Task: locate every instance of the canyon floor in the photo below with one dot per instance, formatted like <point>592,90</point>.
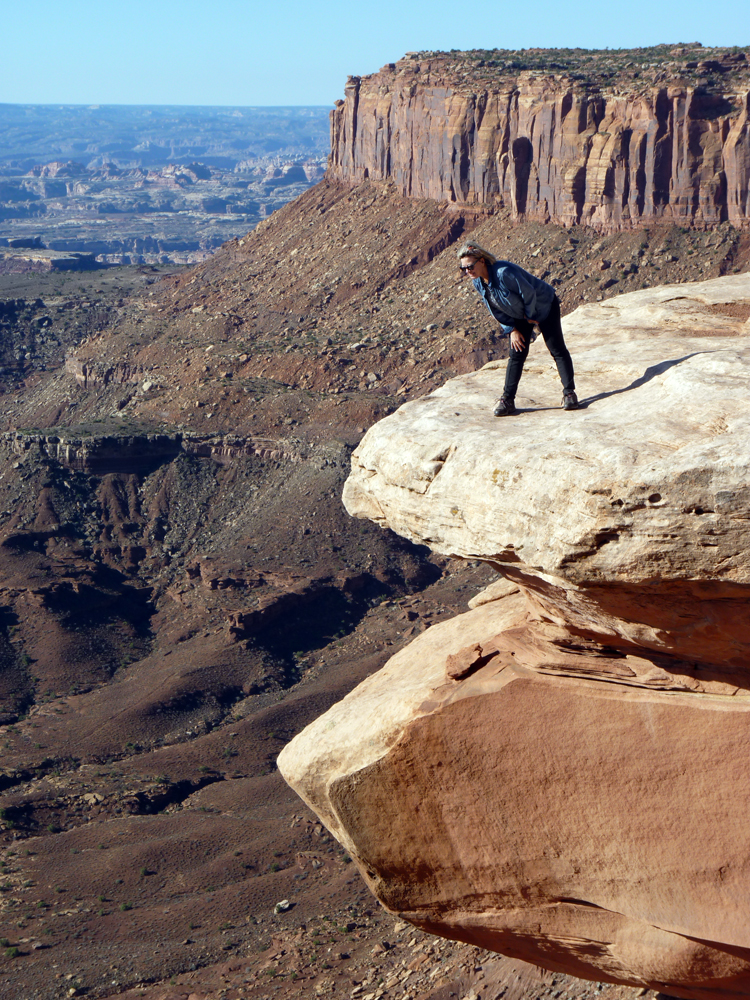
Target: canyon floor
<point>182,590</point>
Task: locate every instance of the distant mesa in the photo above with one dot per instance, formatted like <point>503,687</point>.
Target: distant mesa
<point>20,255</point>
<point>199,170</point>
<point>314,170</point>
<point>189,173</point>
<point>214,205</point>
<point>26,243</point>
<point>58,169</point>
<point>290,173</point>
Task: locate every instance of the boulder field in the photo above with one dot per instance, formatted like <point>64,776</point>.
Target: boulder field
<point>562,774</point>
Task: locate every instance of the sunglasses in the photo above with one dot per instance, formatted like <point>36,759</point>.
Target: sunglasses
<point>467,268</point>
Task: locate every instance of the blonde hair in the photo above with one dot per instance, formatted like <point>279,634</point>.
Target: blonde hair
<point>471,249</point>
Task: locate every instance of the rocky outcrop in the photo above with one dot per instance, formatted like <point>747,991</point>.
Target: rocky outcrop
<point>22,261</point>
<point>562,147</point>
<point>99,374</point>
<point>105,454</point>
<point>561,774</point>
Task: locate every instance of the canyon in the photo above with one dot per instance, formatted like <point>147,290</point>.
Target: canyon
<point>81,186</point>
<point>183,591</point>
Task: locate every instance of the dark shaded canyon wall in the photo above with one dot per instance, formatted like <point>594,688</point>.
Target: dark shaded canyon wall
<point>547,149</point>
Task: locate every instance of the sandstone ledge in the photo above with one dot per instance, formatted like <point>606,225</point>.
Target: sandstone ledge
<point>561,774</point>
<point>616,512</point>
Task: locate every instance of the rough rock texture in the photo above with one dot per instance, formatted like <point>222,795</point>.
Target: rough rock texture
<point>562,147</point>
<point>562,773</point>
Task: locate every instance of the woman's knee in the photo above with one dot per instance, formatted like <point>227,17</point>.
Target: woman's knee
<point>559,351</point>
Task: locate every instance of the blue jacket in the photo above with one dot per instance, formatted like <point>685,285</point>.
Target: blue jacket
<point>514,294</point>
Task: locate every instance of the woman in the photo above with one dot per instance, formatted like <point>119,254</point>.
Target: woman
<point>517,300</point>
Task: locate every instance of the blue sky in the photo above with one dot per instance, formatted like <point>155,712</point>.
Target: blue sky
<point>250,53</point>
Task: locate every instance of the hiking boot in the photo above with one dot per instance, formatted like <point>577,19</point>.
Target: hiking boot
<point>570,401</point>
<point>505,407</point>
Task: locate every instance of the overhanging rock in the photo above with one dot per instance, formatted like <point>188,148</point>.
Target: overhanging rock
<point>563,773</point>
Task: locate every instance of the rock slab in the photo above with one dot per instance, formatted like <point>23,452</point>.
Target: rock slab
<point>562,773</point>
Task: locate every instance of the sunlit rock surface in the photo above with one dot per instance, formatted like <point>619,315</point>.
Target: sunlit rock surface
<point>562,773</point>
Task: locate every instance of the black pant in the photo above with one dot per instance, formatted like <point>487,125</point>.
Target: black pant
<point>553,338</point>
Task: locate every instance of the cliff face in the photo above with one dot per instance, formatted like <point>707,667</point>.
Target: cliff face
<point>565,147</point>
<point>561,774</point>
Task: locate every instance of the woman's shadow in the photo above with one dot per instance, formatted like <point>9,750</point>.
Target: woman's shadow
<point>650,373</point>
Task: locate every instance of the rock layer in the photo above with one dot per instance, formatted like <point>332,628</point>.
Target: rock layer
<point>562,773</point>
<point>548,146</point>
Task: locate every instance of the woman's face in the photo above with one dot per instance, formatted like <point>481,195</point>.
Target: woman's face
<point>474,267</point>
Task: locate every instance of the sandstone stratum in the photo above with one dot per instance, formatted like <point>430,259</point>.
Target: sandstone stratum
<point>561,774</point>
<point>606,139</point>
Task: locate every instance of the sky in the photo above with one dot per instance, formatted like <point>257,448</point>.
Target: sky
<point>247,53</point>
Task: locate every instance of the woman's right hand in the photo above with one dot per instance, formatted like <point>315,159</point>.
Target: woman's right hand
<point>517,342</point>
